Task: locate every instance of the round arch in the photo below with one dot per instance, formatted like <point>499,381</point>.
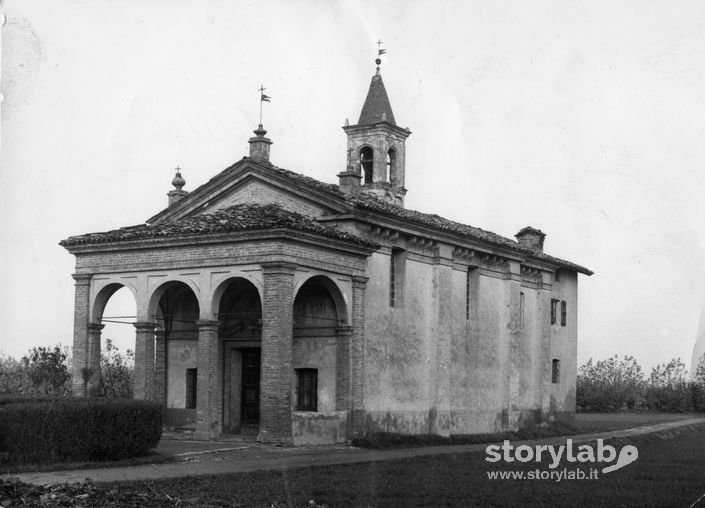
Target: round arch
<point>336,295</point>
<point>153,308</point>
<point>237,306</point>
<point>103,296</point>
<point>240,282</point>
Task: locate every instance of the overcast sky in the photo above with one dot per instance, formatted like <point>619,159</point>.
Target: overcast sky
<point>584,119</point>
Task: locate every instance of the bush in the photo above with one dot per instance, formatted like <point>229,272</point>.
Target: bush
<point>71,430</point>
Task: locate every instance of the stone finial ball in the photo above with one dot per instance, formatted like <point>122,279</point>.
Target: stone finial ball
<point>378,61</point>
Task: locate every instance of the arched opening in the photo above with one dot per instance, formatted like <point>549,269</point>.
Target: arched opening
<point>240,317</point>
<point>319,311</point>
<point>109,361</point>
<point>176,353</point>
<point>391,166</point>
<point>366,165</point>
<point>117,349</point>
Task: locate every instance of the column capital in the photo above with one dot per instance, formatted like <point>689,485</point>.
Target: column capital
<point>95,327</point>
<point>82,279</point>
<point>344,331</point>
<point>207,323</point>
<point>359,280</point>
<point>279,267</point>
<point>145,326</point>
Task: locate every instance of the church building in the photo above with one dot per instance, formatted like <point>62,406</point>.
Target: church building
<point>309,312</point>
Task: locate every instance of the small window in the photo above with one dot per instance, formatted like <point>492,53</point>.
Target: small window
<point>554,311</point>
<point>564,312</point>
<point>522,305</point>
<point>557,276</point>
<point>556,371</point>
<point>307,389</point>
<point>397,272</point>
<point>191,388</point>
<point>366,165</point>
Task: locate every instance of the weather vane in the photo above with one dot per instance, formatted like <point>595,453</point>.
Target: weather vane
<point>380,52</point>
<point>262,98</point>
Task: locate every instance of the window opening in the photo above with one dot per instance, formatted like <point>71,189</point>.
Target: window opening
<point>191,388</point>
<point>307,391</point>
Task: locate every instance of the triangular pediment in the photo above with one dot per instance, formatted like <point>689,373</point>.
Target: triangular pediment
<point>247,182</point>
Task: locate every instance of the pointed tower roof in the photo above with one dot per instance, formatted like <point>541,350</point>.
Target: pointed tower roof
<point>376,108</point>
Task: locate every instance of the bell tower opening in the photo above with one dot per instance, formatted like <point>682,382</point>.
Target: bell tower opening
<point>366,165</point>
<point>391,175</point>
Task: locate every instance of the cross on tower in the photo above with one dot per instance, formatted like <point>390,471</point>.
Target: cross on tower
<point>379,44</point>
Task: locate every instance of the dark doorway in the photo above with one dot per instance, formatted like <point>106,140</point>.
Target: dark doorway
<point>250,386</point>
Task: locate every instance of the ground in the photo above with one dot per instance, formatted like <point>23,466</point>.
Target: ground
<point>668,472</point>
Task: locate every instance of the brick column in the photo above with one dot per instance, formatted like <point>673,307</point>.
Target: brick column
<point>343,368</point>
<point>93,359</point>
<point>81,310</point>
<point>144,360</point>
<point>357,353</point>
<point>209,403</point>
<point>160,366</point>
<point>277,341</point>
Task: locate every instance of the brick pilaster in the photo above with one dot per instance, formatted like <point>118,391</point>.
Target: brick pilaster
<point>160,366</point>
<point>144,360</point>
<point>93,359</point>
<point>439,417</point>
<point>357,353</point>
<point>277,340</point>
<point>209,403</point>
<point>81,311</point>
<point>343,365</point>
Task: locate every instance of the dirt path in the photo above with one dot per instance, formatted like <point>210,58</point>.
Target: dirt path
<point>244,457</point>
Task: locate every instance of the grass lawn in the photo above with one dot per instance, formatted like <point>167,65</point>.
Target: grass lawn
<point>586,423</point>
<point>669,472</point>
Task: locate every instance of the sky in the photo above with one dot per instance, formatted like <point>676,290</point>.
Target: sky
<point>583,119</point>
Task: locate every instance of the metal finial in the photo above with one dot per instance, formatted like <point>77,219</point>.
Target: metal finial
<point>178,182</point>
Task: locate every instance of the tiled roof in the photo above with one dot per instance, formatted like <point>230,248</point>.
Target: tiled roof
<point>376,108</point>
<point>235,218</point>
<point>368,202</point>
<point>260,217</point>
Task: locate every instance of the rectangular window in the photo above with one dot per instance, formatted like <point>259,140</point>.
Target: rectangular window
<point>554,311</point>
<point>191,388</point>
<point>556,371</point>
<point>564,312</point>
<point>397,272</point>
<point>307,389</point>
<point>522,305</point>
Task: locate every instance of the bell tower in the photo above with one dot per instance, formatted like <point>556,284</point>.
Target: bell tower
<point>376,150</point>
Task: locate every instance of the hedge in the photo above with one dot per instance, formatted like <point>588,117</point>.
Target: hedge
<point>72,430</point>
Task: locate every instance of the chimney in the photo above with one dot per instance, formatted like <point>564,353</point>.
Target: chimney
<point>349,182</point>
<point>178,193</point>
<point>531,238</point>
<point>259,145</point>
